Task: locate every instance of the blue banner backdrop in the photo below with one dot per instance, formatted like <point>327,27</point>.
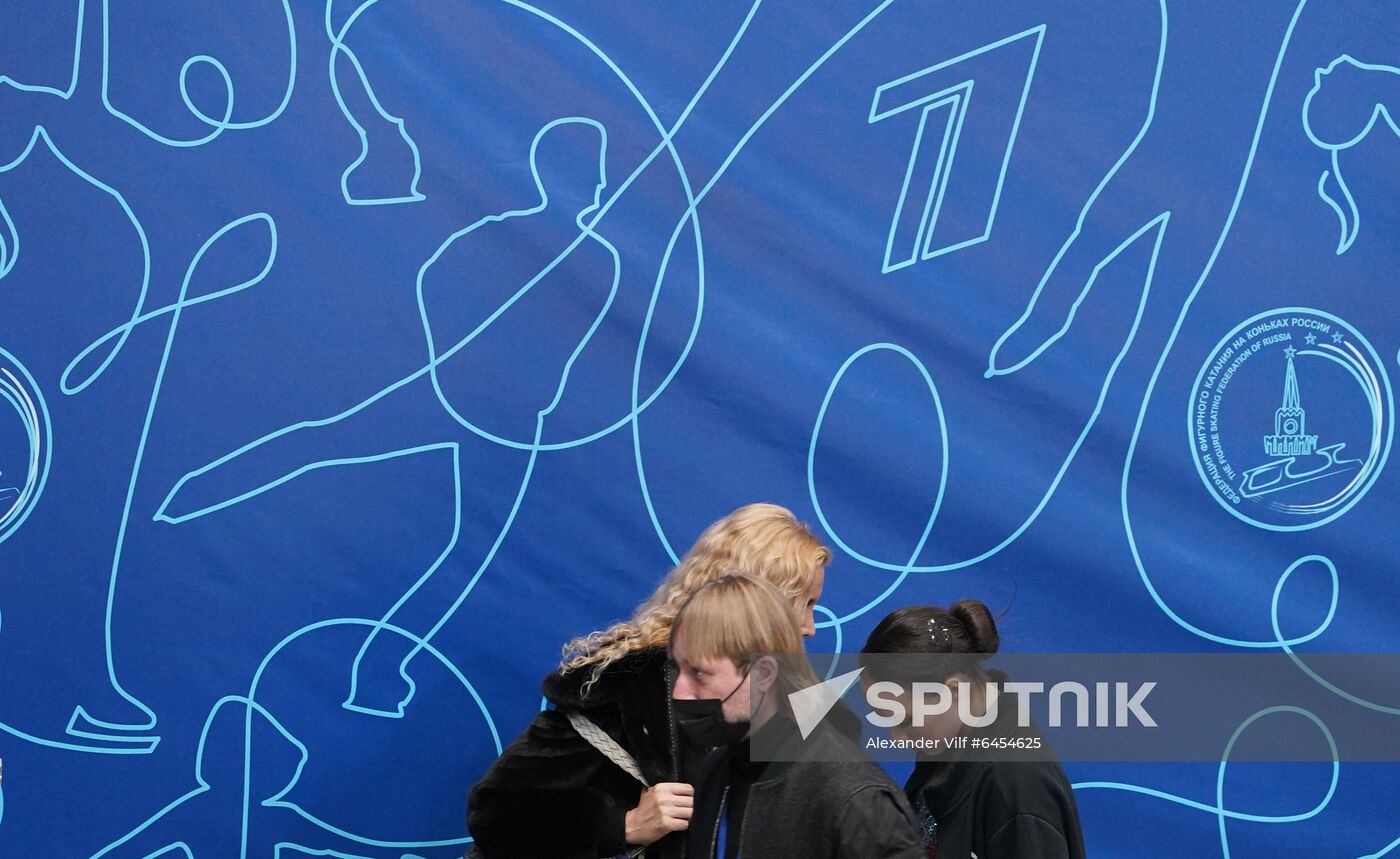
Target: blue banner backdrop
<point>355,355</point>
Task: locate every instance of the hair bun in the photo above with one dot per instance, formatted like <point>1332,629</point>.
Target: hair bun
<point>977,622</point>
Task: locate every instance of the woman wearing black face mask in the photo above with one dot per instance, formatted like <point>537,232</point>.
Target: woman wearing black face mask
<point>603,770</point>
<point>825,801</point>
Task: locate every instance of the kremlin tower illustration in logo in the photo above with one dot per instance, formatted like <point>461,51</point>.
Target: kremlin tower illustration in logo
<point>1298,459</point>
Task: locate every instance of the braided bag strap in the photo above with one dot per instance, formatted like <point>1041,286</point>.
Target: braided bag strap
<point>599,739</point>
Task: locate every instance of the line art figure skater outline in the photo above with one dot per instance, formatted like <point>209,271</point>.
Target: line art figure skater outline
<point>217,125</point>
<point>994,366</point>
<point>689,218</point>
<point>340,49</point>
<point>1334,140</point>
<point>88,732</point>
<point>131,736</point>
<point>164,831</point>
<point>128,739</point>
<point>83,723</point>
<point>429,607</point>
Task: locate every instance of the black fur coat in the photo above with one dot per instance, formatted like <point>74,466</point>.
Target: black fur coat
<point>551,795</point>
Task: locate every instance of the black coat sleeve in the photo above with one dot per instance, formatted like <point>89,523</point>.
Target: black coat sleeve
<point>876,824</point>
<point>1026,836</point>
<point>550,794</point>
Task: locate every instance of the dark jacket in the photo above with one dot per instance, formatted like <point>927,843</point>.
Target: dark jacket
<point>1020,806</point>
<point>829,802</point>
<point>551,795</point>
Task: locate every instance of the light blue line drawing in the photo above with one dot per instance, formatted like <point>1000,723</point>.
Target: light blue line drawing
<point>1155,228</point>
<point>1383,851</point>
<point>434,359</point>
<point>1286,644</point>
<point>1376,88</point>
<point>691,215</point>
<point>421,601</point>
<point>339,49</point>
<point>992,366</point>
<point>279,852</point>
<point>195,808</point>
<point>916,228</point>
<point>1219,809</point>
<point>1157,372</point>
<point>139,744</point>
<point>83,723</point>
<point>133,841</point>
<point>279,800</point>
<point>942,442</point>
<point>217,126</point>
<point>910,232</point>
<point>835,623</point>
<point>534,449</point>
<point>1279,640</point>
<point>42,134</point>
<point>9,242</point>
<point>66,93</point>
<point>104,728</point>
<point>130,737</point>
<point>22,393</point>
<point>134,745</point>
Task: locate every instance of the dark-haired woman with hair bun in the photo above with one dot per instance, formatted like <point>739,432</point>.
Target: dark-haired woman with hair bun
<point>1021,808</point>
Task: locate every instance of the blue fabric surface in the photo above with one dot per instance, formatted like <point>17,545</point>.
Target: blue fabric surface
<point>354,356</point>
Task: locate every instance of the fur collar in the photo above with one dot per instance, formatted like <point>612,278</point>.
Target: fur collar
<point>618,683</point>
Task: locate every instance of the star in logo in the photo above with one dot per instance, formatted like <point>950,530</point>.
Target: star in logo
<point>1290,351</point>
<point>1337,338</point>
<point>1311,338</point>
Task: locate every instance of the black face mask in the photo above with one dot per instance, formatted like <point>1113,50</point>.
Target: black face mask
<point>702,719</point>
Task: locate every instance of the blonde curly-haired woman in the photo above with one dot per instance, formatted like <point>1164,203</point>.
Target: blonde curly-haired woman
<point>563,789</point>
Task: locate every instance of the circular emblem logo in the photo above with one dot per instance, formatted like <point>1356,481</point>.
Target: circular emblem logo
<point>1290,419</point>
<point>25,442</point>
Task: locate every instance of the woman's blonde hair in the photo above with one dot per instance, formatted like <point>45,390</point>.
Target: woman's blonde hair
<point>738,616</point>
<point>764,540</point>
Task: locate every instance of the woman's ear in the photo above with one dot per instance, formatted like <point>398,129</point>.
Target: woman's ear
<point>764,673</point>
